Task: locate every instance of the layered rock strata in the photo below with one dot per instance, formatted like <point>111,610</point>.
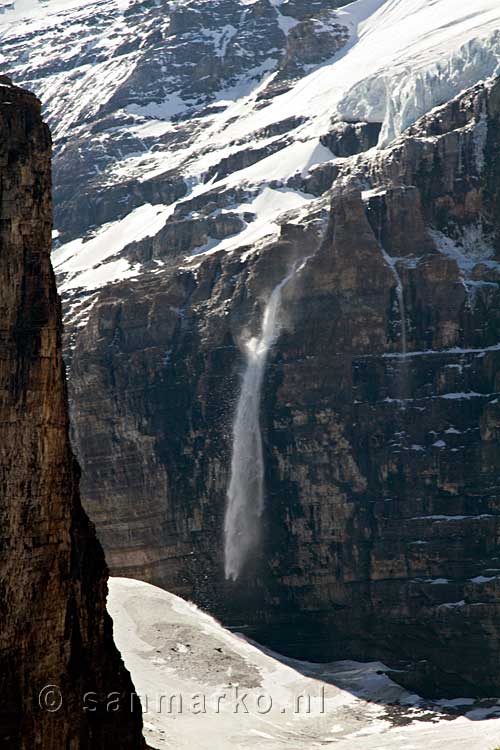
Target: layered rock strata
<point>380,412</point>
<point>54,629</point>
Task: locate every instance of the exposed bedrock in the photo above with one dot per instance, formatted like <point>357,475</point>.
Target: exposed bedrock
<point>380,414</point>
<point>54,629</point>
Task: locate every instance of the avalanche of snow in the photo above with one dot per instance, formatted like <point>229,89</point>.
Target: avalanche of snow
<point>177,653</point>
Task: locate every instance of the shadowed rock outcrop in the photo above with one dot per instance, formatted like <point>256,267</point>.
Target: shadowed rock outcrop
<point>54,629</point>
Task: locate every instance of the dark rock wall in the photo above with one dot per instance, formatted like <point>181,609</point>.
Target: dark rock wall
<point>382,524</point>
<point>54,628</point>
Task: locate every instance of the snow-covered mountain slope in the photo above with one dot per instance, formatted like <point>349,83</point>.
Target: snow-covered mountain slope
<point>197,114</point>
<point>176,653</point>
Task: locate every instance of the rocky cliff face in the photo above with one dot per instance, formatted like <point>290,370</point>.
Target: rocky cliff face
<point>54,627</point>
<point>201,149</point>
<point>380,413</point>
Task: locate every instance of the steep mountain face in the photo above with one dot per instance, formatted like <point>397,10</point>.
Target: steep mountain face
<point>54,626</point>
<point>203,148</point>
<point>380,413</point>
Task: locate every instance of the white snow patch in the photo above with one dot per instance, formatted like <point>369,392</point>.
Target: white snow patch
<point>146,620</point>
<point>453,350</point>
<point>16,10</point>
<point>78,255</point>
<point>268,206</point>
<point>84,263</point>
<point>285,22</point>
<point>221,38</point>
<point>298,158</point>
<point>463,395</point>
<point>474,248</point>
<point>172,105</point>
<point>99,276</point>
